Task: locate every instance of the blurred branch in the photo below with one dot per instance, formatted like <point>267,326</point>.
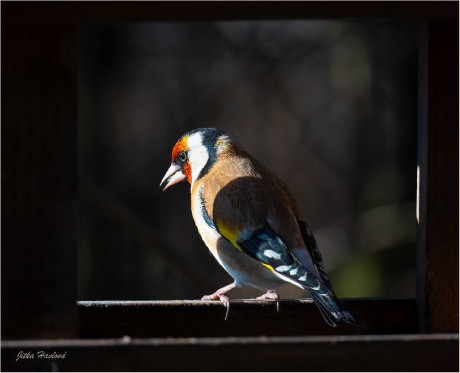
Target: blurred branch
<point>113,209</point>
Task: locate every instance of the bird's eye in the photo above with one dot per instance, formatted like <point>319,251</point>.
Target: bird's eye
<point>182,157</point>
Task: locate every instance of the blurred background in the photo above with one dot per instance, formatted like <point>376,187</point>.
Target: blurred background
<point>330,107</point>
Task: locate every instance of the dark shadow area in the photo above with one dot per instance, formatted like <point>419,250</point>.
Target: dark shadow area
<point>329,106</point>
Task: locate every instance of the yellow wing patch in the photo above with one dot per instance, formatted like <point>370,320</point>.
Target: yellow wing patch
<point>268,266</point>
<point>230,233</point>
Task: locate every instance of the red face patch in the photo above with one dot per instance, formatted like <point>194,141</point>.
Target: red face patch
<point>180,146</point>
<point>187,171</point>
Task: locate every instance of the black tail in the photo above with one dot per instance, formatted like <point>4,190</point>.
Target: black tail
<point>332,309</point>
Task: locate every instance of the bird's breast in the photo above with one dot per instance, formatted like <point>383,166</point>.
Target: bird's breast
<point>244,269</point>
<point>203,221</point>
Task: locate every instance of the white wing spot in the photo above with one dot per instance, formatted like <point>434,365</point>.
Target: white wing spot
<point>282,268</point>
<point>316,287</point>
<point>293,271</point>
<point>272,254</point>
<point>303,278</point>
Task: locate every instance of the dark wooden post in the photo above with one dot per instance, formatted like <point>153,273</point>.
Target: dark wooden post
<point>437,266</point>
<point>39,181</point>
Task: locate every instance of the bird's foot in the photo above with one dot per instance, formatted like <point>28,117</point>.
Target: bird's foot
<point>222,297</point>
<point>220,294</point>
<point>271,295</point>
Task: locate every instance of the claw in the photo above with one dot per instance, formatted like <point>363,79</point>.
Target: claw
<point>271,295</point>
<point>222,297</point>
<point>220,294</point>
<point>226,301</point>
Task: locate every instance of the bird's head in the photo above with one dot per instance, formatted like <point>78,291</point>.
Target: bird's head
<point>193,155</point>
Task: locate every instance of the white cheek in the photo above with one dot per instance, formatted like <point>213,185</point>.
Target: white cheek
<point>198,158</point>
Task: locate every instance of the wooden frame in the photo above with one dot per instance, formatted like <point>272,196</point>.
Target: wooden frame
<point>39,214</point>
<point>364,353</point>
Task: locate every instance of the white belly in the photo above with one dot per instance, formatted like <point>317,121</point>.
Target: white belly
<point>244,269</point>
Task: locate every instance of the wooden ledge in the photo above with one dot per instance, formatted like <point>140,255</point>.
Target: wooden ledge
<point>193,318</point>
<point>438,352</point>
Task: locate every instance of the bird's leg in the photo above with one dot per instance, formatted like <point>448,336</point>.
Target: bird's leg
<point>220,294</point>
<point>272,295</point>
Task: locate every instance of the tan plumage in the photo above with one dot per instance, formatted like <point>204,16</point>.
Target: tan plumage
<point>250,221</point>
<point>241,184</point>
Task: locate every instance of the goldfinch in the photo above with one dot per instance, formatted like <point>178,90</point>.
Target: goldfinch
<point>250,221</point>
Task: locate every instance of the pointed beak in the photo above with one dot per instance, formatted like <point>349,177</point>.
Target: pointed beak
<point>172,176</point>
